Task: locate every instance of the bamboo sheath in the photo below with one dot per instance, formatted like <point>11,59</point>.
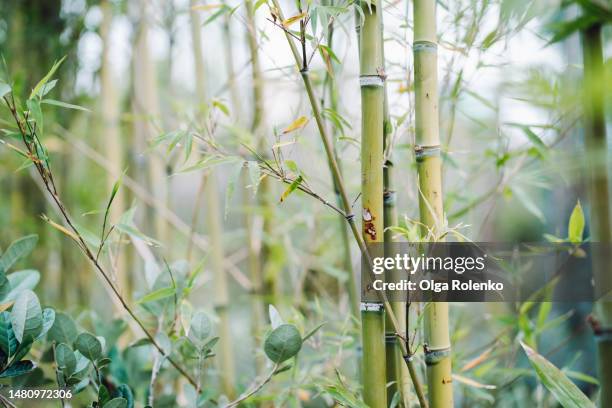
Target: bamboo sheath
<point>213,218</point>
<point>595,140</point>
<point>427,151</point>
<point>372,100</point>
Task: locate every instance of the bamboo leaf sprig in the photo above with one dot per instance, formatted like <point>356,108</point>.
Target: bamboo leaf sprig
<point>37,155</point>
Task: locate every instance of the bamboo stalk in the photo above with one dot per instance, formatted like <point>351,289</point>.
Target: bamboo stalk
<point>398,376</point>
<point>346,203</point>
<point>601,234</point>
<point>213,218</point>
<point>112,137</point>
<point>229,63</point>
<point>427,152</point>
<point>351,283</point>
<point>146,109</point>
<point>372,100</point>
<point>253,221</point>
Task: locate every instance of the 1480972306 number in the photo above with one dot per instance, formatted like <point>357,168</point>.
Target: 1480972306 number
<point>40,394</point>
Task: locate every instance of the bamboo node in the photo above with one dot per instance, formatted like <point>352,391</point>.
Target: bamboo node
<point>426,46</point>
<point>371,80</point>
<point>389,197</point>
<point>422,152</point>
<point>371,307</point>
<point>408,357</point>
<point>433,357</point>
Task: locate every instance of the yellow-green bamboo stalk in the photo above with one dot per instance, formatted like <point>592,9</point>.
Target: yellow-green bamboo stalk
<point>146,109</point>
<point>347,264</point>
<point>427,151</point>
<point>112,138</point>
<point>372,99</point>
<point>213,218</point>
<point>595,138</point>
<point>398,376</point>
<point>254,221</point>
<point>229,65</point>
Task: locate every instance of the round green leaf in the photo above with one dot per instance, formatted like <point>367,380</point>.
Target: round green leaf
<point>199,329</point>
<point>89,346</point>
<point>64,329</point>
<point>20,281</point>
<point>26,316</point>
<point>283,343</point>
<point>65,359</point>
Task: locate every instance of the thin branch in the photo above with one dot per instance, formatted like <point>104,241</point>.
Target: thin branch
<point>46,175</point>
<point>255,389</point>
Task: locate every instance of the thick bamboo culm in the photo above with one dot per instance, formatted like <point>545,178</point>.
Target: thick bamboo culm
<point>427,152</point>
<point>213,220</point>
<point>372,98</point>
<point>595,140</point>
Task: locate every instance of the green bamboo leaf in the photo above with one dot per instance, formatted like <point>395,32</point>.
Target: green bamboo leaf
<point>64,105</point>
<point>158,295</point>
<point>65,359</point>
<point>562,388</point>
<point>89,346</point>
<point>564,29</point>
<point>535,139</point>
<point>17,369</point>
<point>231,188</point>
<point>17,250</point>
<point>313,331</point>
<point>283,343</point>
<point>575,228</point>
<point>292,187</point>
<point>46,88</point>
<point>46,78</point>
<point>26,316</point>
<point>131,230</point>
<point>64,329</point>
<point>344,397</point>
<point>36,114</point>
<point>254,175</point>
<point>528,203</point>
<point>221,106</point>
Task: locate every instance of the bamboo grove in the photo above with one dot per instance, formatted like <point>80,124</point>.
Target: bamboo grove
<point>195,196</point>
